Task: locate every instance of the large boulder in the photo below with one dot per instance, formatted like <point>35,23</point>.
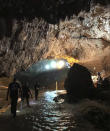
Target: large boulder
<point>78,82</point>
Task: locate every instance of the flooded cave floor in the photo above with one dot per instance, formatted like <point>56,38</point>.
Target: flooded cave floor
<point>46,114</point>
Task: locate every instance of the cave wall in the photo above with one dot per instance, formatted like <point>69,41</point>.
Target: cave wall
<point>19,50</point>
<point>33,30</point>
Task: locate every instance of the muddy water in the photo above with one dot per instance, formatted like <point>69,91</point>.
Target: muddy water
<point>44,115</point>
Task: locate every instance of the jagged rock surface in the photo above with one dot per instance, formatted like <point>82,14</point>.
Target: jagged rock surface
<point>22,48</point>
<point>30,31</point>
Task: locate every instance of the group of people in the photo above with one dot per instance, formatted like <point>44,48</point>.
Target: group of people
<point>102,82</point>
<point>15,90</point>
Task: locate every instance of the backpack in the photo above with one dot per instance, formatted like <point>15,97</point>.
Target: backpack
<point>14,89</point>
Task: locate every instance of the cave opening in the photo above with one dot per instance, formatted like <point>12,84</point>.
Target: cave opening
<point>47,71</point>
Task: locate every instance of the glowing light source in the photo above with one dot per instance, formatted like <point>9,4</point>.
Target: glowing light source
<point>67,65</point>
<point>60,64</point>
<point>17,111</point>
<point>53,64</point>
<point>47,67</point>
<point>69,59</point>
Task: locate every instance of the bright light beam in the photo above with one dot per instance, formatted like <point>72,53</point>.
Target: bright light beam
<point>60,64</point>
<point>53,64</point>
<point>47,67</point>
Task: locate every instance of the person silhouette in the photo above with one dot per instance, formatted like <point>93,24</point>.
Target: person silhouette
<point>13,90</point>
<point>99,80</point>
<point>36,89</point>
<point>26,93</point>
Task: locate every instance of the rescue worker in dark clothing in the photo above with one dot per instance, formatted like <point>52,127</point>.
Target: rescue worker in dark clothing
<point>106,83</point>
<point>36,89</point>
<point>13,90</point>
<point>99,80</point>
<point>26,93</point>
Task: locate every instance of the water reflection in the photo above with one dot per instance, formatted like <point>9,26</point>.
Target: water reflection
<point>44,115</point>
<point>51,116</point>
<point>49,95</point>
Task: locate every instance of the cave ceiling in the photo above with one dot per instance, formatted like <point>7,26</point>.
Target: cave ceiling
<point>31,30</point>
<point>50,10</point>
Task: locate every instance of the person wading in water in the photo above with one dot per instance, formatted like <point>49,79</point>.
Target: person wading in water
<point>26,93</point>
<point>36,89</point>
<point>14,90</point>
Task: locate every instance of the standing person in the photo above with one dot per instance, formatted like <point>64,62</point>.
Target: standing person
<point>99,80</point>
<point>26,93</point>
<point>36,89</point>
<point>13,90</point>
<point>106,83</point>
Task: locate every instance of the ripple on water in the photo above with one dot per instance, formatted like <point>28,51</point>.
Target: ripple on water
<point>50,116</point>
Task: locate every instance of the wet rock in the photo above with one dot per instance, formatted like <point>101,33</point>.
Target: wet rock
<point>79,85</point>
<point>102,93</point>
<point>78,82</point>
<point>60,97</point>
<point>99,117</point>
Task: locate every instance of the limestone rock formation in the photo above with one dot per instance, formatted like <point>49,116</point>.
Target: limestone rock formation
<point>34,30</point>
<point>22,48</point>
